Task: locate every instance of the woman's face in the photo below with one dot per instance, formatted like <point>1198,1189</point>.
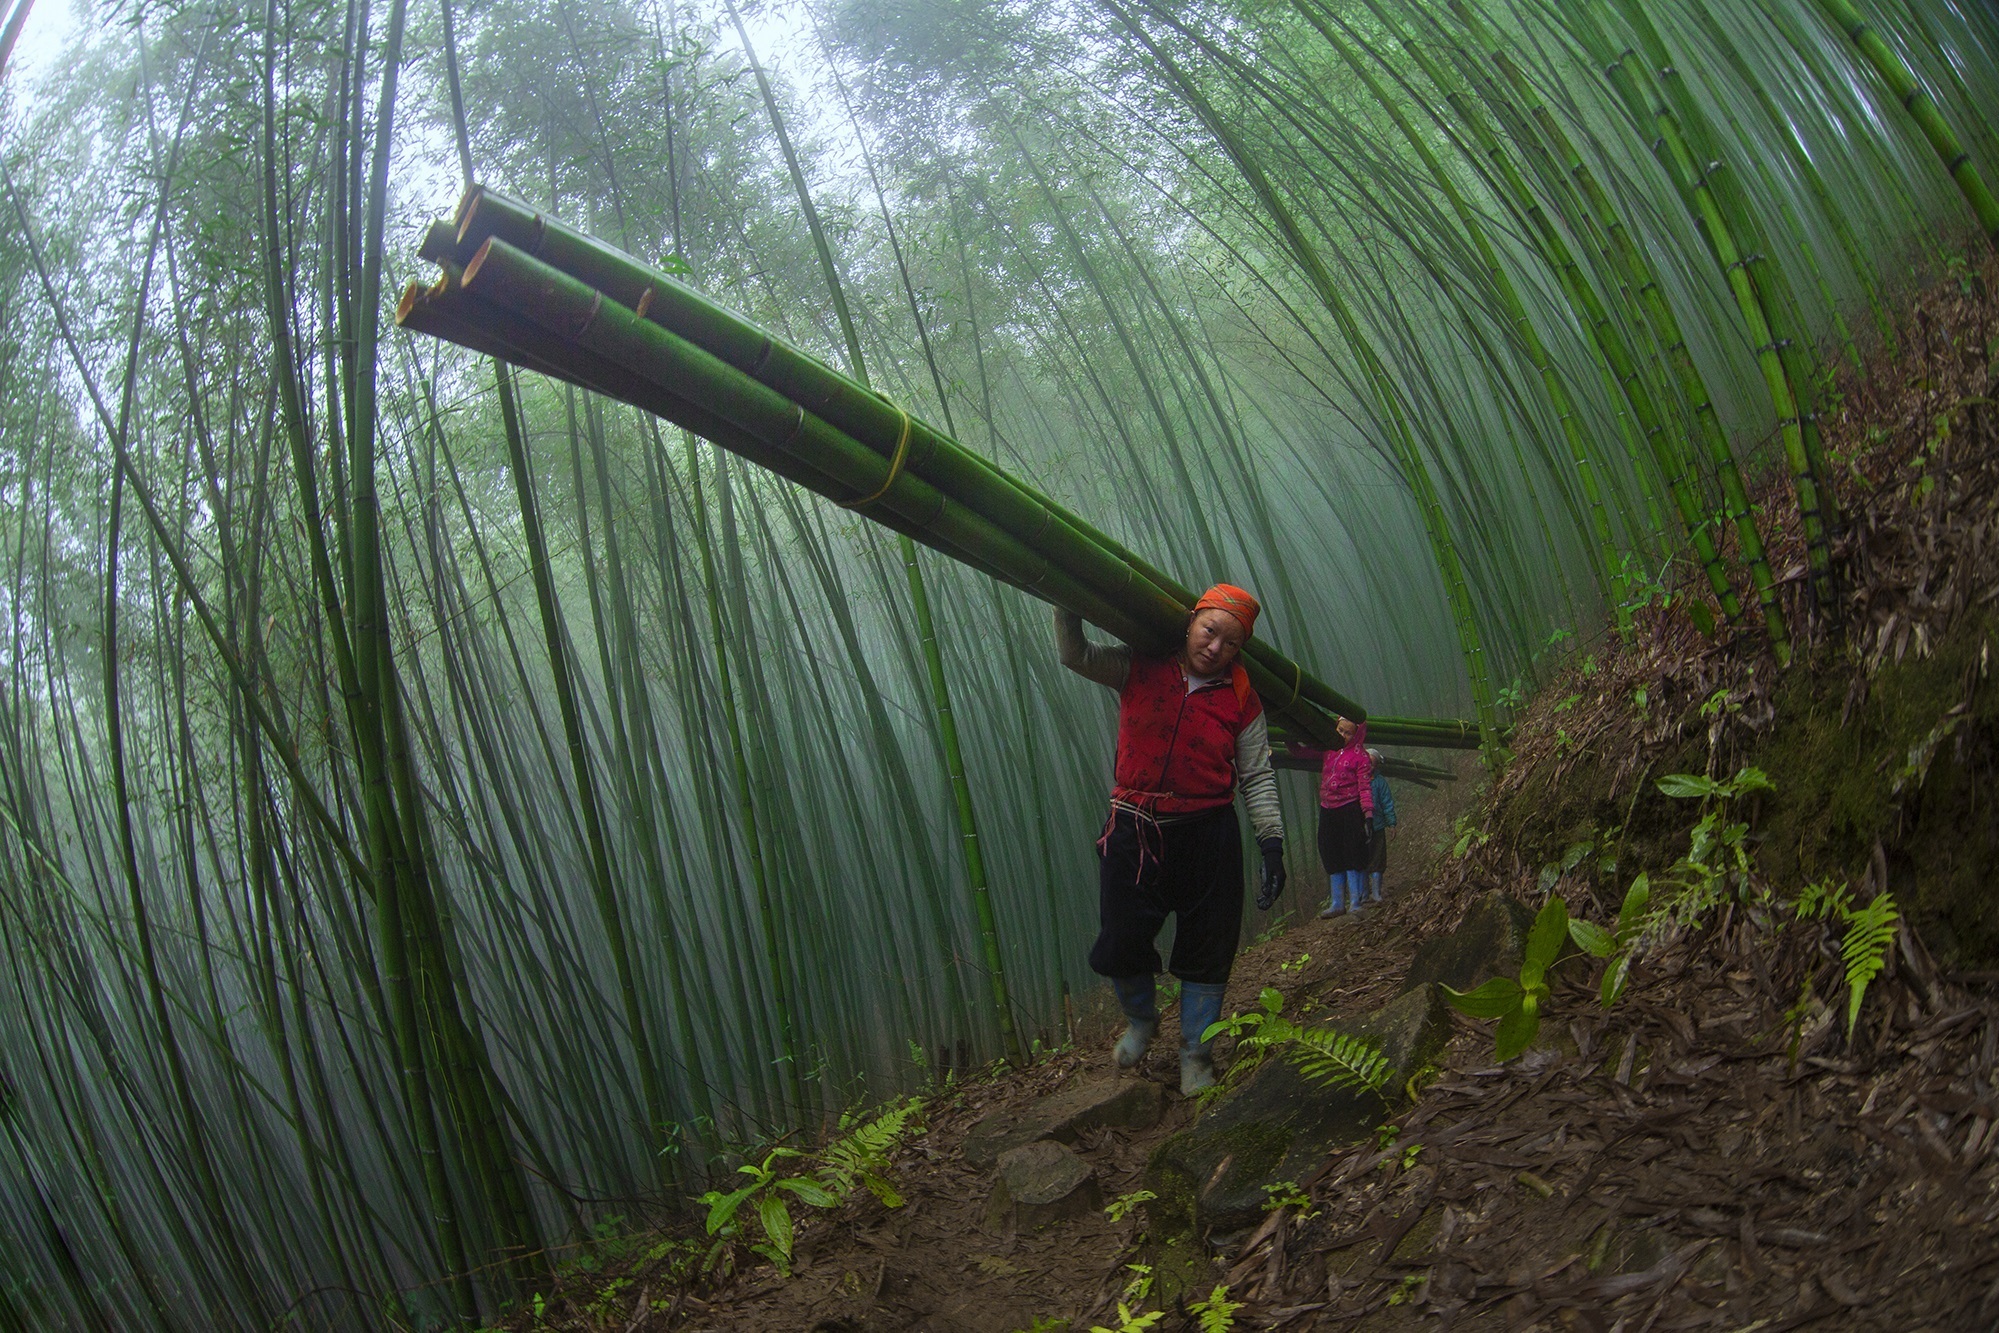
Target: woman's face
<point>1346,728</point>
<point>1214,639</point>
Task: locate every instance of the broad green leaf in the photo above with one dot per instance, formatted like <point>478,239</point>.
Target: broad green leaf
<point>1592,938</point>
<point>1690,786</point>
<point>722,1207</point>
<point>1516,1033</point>
<point>1544,940</point>
<point>1272,1000</point>
<point>811,1191</point>
<point>1613,980</point>
<point>1636,899</point>
<point>1749,780</point>
<point>1499,996</point>
<point>776,1219</point>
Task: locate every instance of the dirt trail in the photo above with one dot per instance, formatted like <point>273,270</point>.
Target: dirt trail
<point>937,1263</point>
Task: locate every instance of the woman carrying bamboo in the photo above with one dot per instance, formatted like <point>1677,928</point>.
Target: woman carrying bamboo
<point>1190,732</point>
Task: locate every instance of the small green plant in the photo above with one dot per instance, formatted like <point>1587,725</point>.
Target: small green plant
<point>1409,1155</point>
<point>1615,945</point>
<point>1286,1194</point>
<point>1120,1208</point>
<point>856,1159</point>
<point>1046,1324</point>
<point>1466,834</point>
<point>1868,935</point>
<point>1139,1285</point>
<point>1217,1313</point>
<point>1405,1291</point>
<point>1325,1056</point>
<point>1714,706</point>
<point>1278,925</point>
<point>1296,964</point>
<point>1129,1322</point>
<point>1516,1002</point>
<point>1717,854</point>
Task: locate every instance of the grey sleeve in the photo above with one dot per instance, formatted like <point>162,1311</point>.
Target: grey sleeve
<point>1257,780</point>
<point>1106,664</point>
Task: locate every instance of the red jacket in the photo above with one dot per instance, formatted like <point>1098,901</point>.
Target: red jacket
<point>1176,749</point>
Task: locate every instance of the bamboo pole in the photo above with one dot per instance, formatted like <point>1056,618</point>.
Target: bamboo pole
<point>1916,100</point>
<point>1112,570</point>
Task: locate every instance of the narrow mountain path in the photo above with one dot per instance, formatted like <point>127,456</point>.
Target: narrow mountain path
<point>940,1262</point>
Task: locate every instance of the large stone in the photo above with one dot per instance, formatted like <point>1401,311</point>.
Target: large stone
<point>1042,1183</point>
<point>1486,944</point>
<point>1127,1103</point>
<point>1279,1126</point>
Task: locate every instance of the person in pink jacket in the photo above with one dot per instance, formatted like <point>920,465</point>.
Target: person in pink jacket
<point>1346,814</point>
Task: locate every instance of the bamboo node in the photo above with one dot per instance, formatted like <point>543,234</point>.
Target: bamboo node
<point>894,467</point>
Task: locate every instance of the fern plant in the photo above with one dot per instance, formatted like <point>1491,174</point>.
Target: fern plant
<point>1217,1313</point>
<point>860,1155</point>
<point>1326,1056</point>
<point>1868,932</point>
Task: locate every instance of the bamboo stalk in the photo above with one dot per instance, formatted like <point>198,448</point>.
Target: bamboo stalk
<point>1916,100</point>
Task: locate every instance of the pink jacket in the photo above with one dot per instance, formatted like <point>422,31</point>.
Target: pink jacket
<point>1347,774</point>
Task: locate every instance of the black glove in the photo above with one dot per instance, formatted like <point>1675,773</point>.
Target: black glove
<point>1273,873</point>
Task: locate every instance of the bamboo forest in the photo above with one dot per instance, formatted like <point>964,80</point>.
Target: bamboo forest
<point>544,779</point>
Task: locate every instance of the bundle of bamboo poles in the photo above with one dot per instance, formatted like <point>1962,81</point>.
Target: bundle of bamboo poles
<point>528,289</point>
<point>1394,768</point>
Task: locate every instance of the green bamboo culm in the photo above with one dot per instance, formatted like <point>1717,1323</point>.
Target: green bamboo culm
<point>1916,100</point>
<point>1625,259</point>
<point>1415,472</point>
<point>919,596</point>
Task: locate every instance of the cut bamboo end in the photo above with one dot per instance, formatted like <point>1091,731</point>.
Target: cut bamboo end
<point>478,260</point>
<point>407,303</point>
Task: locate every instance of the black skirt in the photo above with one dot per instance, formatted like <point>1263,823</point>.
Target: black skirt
<point>1343,838</point>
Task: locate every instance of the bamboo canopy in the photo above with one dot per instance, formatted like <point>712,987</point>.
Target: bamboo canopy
<point>530,290</point>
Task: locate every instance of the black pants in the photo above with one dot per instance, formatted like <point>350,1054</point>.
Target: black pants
<point>1343,838</point>
<point>1190,867</point>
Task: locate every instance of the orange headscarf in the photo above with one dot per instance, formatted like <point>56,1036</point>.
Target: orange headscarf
<point>1227,597</point>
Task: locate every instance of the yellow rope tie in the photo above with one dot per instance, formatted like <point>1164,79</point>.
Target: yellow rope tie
<point>894,468</point>
<point>1297,683</point>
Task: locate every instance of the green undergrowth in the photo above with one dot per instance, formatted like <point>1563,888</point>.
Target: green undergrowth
<point>1904,760</point>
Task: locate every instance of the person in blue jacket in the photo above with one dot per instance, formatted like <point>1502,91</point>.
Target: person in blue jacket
<point>1384,820</point>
